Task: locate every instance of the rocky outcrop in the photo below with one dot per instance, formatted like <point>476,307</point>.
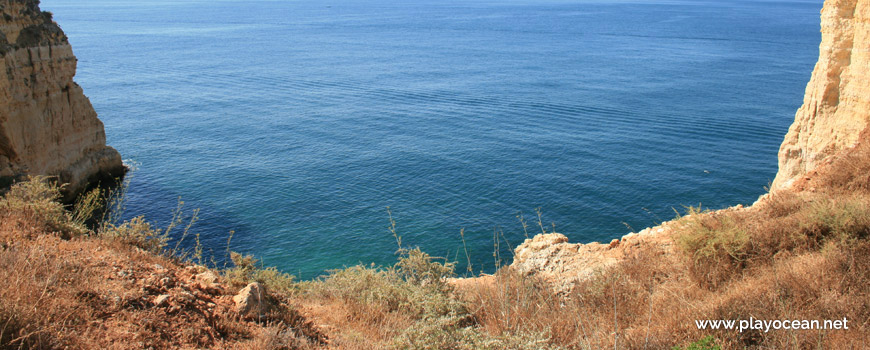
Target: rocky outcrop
<point>836,106</point>
<point>253,302</point>
<point>552,258</point>
<point>47,124</point>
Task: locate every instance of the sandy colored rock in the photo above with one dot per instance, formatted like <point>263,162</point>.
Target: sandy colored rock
<point>47,124</point>
<point>161,300</point>
<point>207,278</point>
<point>836,105</point>
<point>253,301</point>
<point>552,258</point>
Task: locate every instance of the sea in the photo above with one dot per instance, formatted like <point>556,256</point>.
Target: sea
<point>304,126</point>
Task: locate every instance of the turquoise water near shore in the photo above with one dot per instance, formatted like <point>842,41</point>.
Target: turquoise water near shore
<point>296,123</point>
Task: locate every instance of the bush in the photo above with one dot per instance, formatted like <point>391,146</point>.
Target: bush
<point>416,285</point>
<point>716,243</point>
<point>419,268</point>
<point>37,199</point>
<point>838,219</point>
<point>720,245</point>
<point>452,333</point>
<point>246,271</point>
<point>137,232</point>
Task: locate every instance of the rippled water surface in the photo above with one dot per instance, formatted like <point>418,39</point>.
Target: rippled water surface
<point>296,123</point>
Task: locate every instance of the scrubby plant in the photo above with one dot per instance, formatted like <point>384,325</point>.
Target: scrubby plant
<point>453,333</point>
<point>720,245</point>
<point>246,270</point>
<point>387,290</point>
<point>843,218</point>
<point>87,206</point>
<point>137,232</point>
<point>446,332</point>
<point>37,199</point>
<point>416,290</point>
<point>716,244</point>
<point>707,236</point>
<point>418,267</point>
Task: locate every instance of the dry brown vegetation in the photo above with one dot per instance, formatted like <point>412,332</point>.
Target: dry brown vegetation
<point>802,254</point>
<point>799,254</point>
<point>66,286</point>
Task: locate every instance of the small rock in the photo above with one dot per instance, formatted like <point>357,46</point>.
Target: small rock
<point>206,278</point>
<point>167,282</point>
<point>161,300</point>
<point>186,297</point>
<point>613,244</point>
<point>252,301</point>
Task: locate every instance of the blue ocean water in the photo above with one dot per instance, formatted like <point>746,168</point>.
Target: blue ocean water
<point>296,123</point>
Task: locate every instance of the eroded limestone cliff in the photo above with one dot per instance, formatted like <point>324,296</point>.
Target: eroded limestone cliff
<point>47,124</point>
<point>836,105</point>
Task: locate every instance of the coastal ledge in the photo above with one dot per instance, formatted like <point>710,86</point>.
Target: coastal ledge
<point>552,258</point>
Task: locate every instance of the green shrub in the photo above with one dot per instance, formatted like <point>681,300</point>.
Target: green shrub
<point>705,343</point>
<point>717,245</point>
<point>416,286</point>
<point>137,232</point>
<point>843,219</point>
<point>453,333</point>
<point>708,238</point>
<point>418,267</point>
<point>38,198</point>
<point>246,270</point>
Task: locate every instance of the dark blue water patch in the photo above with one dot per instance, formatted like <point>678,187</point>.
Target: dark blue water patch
<point>296,124</point>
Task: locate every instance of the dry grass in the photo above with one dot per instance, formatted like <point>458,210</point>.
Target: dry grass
<point>613,306</point>
<point>247,270</point>
<point>651,301</point>
<point>67,287</point>
<point>406,306</point>
<point>380,304</point>
<point>796,255</point>
<point>799,254</point>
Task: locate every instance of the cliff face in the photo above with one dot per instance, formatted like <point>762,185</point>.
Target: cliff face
<point>47,124</point>
<point>836,105</point>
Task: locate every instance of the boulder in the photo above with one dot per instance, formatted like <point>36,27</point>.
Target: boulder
<point>253,301</point>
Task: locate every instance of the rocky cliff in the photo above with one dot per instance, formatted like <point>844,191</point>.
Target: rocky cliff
<point>836,105</point>
<point>47,124</point>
